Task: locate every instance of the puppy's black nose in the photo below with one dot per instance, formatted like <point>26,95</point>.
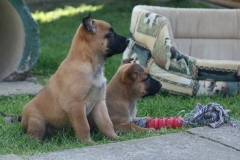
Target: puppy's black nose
<point>153,87</point>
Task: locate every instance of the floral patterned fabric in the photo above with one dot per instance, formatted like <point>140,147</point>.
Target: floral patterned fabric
<point>152,45</point>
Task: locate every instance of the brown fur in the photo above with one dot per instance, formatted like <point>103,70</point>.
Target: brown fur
<point>77,89</point>
<point>126,87</point>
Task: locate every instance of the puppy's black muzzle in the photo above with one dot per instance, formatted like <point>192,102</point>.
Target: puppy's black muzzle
<point>153,86</point>
<point>117,44</point>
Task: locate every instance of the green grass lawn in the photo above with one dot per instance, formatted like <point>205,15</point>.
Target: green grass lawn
<point>58,24</point>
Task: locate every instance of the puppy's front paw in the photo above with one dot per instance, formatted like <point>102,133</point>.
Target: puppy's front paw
<point>119,138</point>
<point>89,143</point>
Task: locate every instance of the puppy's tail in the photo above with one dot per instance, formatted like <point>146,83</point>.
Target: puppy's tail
<point>11,117</point>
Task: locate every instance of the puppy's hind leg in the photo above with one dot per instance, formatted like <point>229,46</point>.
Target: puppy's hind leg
<point>36,128</point>
<point>103,121</point>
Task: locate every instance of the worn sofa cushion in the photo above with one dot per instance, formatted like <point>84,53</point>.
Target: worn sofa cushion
<point>190,51</point>
<point>201,33</point>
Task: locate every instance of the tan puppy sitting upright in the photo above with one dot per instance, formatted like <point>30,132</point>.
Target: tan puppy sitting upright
<point>130,83</point>
<point>77,89</point>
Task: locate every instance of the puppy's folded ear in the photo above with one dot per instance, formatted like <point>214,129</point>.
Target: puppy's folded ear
<point>89,24</point>
<point>130,74</point>
<point>128,60</point>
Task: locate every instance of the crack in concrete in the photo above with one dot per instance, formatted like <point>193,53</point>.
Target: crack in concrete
<point>201,136</point>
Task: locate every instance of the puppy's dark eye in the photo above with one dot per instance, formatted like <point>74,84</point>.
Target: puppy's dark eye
<point>147,78</point>
<point>111,33</point>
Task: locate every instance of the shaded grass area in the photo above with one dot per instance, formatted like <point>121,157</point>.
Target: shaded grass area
<point>58,23</point>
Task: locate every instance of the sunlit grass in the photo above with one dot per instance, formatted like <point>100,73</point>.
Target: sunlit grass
<point>66,11</point>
